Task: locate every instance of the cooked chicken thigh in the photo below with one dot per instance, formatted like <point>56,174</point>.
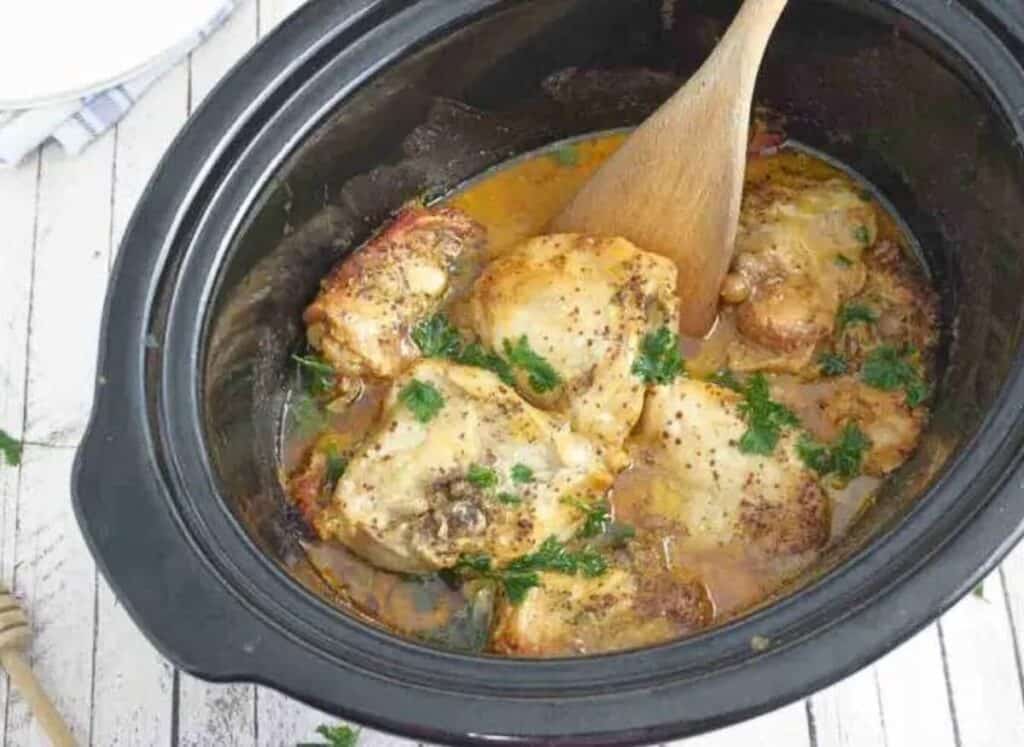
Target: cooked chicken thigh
<point>367,304</point>
<point>487,473</point>
<point>892,427</point>
<point>717,494</point>
<point>584,304</point>
<point>622,609</point>
<point>905,308</point>
<point>798,257</point>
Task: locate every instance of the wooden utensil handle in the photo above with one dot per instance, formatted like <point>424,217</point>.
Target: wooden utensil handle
<point>46,714</point>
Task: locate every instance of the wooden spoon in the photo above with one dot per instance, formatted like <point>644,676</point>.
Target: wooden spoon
<point>674,187</point>
<point>14,637</point>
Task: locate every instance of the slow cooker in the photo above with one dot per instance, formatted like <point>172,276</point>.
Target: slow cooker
<point>352,107</point>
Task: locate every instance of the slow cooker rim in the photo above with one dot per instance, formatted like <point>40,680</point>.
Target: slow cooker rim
<point>140,351</point>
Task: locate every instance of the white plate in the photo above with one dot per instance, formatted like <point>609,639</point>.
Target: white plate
<point>55,50</point>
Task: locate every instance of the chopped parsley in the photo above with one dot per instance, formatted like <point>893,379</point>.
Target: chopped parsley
<point>477,563</point>
<point>540,374</point>
<point>844,457</point>
<point>437,338</point>
<point>422,399</point>
<point>848,452</point>
<point>596,517</point>
<point>843,261</point>
<point>336,465</point>
<point>833,364</point>
<point>316,372</point>
<point>552,555</point>
<point>566,155</point>
<point>10,448</point>
<point>889,369</point>
<point>482,477</point>
<point>521,474</point>
<point>517,583</point>
<point>725,377</point>
<point>815,455</point>
<point>862,235</point>
<point>336,736</point>
<point>509,499</point>
<point>765,417</point>
<point>855,313</point>
<point>521,574</point>
<point>660,361</point>
<point>476,355</point>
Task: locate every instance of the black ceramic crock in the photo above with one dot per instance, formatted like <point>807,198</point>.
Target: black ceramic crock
<point>352,107</point>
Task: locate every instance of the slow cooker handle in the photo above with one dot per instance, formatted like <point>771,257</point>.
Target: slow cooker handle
<point>139,547</point>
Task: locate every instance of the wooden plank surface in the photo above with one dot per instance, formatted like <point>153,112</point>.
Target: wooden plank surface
<point>18,196</point>
<point>55,578</point>
<point>957,684</point>
<point>849,713</point>
<point>915,705</point>
<point>52,567</point>
<point>786,727</point>
<point>982,668</point>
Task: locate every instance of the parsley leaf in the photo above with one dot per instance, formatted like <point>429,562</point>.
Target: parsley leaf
<point>336,465</point>
<point>725,377</point>
<point>476,355</point>
<point>843,261</point>
<point>521,574</point>
<point>541,375</point>
<point>510,499</point>
<point>478,563</point>
<point>596,517</point>
<point>844,457</point>
<point>423,399</point>
<point>436,337</point>
<point>10,448</point>
<point>521,474</point>
<point>815,455</point>
<point>482,477</point>
<point>566,155</point>
<point>833,364</point>
<point>517,583</point>
<point>660,361</point>
<point>862,235</point>
<point>552,555</point>
<point>765,417</point>
<point>336,736</point>
<point>316,372</point>
<point>888,369</point>
<point>848,452</point>
<point>917,392</point>
<point>854,313</point>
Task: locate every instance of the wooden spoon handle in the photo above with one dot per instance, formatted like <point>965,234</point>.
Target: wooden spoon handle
<point>747,38</point>
<point>46,714</point>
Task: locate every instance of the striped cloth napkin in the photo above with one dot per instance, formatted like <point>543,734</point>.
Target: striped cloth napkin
<point>76,123</point>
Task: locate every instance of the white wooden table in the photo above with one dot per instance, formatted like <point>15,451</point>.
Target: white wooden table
<point>957,684</point>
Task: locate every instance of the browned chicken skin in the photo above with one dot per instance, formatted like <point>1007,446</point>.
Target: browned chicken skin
<point>892,427</point>
<point>798,257</point>
<point>368,304</point>
<point>906,307</point>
